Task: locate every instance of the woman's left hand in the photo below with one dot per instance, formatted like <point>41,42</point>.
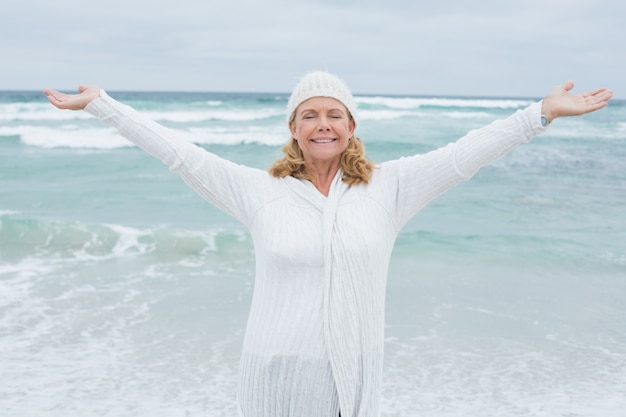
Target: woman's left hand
<point>561,103</point>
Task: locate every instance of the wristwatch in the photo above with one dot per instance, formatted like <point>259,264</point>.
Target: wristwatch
<point>544,121</point>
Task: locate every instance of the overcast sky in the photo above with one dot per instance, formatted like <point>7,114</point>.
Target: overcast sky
<point>457,47</point>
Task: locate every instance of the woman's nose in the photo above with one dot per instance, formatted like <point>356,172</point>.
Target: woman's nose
<point>324,125</point>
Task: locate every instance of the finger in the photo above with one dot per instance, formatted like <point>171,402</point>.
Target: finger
<point>599,97</point>
<point>597,91</point>
<point>57,98</point>
<point>604,94</point>
<point>52,95</point>
<point>595,102</point>
<point>568,85</point>
<point>596,106</point>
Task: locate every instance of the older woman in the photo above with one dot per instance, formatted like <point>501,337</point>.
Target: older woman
<point>323,220</point>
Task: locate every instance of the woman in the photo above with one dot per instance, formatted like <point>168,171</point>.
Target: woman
<point>323,221</point>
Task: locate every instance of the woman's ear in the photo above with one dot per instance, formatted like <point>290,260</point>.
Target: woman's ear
<point>292,129</point>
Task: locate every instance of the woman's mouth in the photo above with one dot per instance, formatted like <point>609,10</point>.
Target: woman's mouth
<point>323,140</point>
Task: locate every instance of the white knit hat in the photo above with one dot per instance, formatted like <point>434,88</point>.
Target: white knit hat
<point>321,84</point>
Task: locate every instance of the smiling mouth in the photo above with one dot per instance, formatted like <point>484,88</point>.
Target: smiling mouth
<point>322,140</point>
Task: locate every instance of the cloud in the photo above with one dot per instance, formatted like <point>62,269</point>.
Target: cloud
<point>402,47</point>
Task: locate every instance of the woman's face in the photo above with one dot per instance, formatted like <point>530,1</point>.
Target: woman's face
<point>322,127</point>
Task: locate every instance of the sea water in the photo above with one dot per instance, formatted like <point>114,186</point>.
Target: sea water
<point>122,293</point>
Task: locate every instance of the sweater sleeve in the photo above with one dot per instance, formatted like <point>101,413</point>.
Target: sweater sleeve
<point>232,188</point>
<point>422,178</point>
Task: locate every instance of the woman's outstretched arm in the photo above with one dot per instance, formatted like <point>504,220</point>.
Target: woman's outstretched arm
<point>234,188</point>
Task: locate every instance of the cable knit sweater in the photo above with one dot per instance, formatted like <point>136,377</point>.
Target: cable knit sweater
<point>314,339</point>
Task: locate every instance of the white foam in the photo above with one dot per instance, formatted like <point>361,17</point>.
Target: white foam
<point>615,258</point>
<point>12,290</point>
<point>128,241</point>
<point>112,342</point>
<point>272,136</point>
<point>584,129</point>
<point>467,115</point>
<point>11,112</point>
<point>387,114</point>
<point>189,246</point>
<point>235,115</point>
<point>126,244</point>
<point>452,376</point>
<point>70,137</point>
<point>414,103</point>
<point>29,112</point>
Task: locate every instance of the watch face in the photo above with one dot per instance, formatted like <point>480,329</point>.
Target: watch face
<point>544,121</point>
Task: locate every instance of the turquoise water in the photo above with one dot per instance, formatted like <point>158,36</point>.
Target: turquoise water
<point>123,293</point>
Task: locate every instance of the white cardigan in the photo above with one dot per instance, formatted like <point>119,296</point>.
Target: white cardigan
<point>314,337</point>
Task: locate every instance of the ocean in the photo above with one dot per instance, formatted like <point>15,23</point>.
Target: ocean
<point>122,293</point>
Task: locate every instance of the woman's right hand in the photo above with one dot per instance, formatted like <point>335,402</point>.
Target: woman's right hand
<point>86,93</point>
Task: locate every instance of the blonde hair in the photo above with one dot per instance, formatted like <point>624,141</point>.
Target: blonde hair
<point>356,168</point>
